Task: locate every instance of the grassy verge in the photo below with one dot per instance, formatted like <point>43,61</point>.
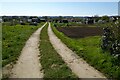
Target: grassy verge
<point>52,63</point>
<point>89,49</point>
<point>13,40</point>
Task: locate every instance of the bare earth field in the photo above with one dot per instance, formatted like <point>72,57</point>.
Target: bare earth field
<point>80,32</point>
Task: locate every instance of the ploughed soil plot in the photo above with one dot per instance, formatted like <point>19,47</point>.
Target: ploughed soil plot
<point>80,32</point>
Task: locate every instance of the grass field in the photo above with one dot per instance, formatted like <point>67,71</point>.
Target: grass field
<point>52,63</point>
<point>89,49</point>
<point>13,40</point>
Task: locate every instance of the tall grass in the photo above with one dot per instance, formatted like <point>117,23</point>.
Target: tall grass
<point>13,40</point>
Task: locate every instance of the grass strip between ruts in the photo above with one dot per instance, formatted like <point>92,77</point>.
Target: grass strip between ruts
<point>52,63</point>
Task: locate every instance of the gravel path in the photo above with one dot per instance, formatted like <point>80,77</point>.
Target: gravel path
<point>28,65</point>
<point>76,64</point>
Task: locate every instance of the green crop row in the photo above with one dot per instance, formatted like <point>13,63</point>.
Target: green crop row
<point>13,40</point>
<point>89,49</point>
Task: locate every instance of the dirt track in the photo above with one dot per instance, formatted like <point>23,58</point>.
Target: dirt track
<point>28,65</point>
<point>77,65</point>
